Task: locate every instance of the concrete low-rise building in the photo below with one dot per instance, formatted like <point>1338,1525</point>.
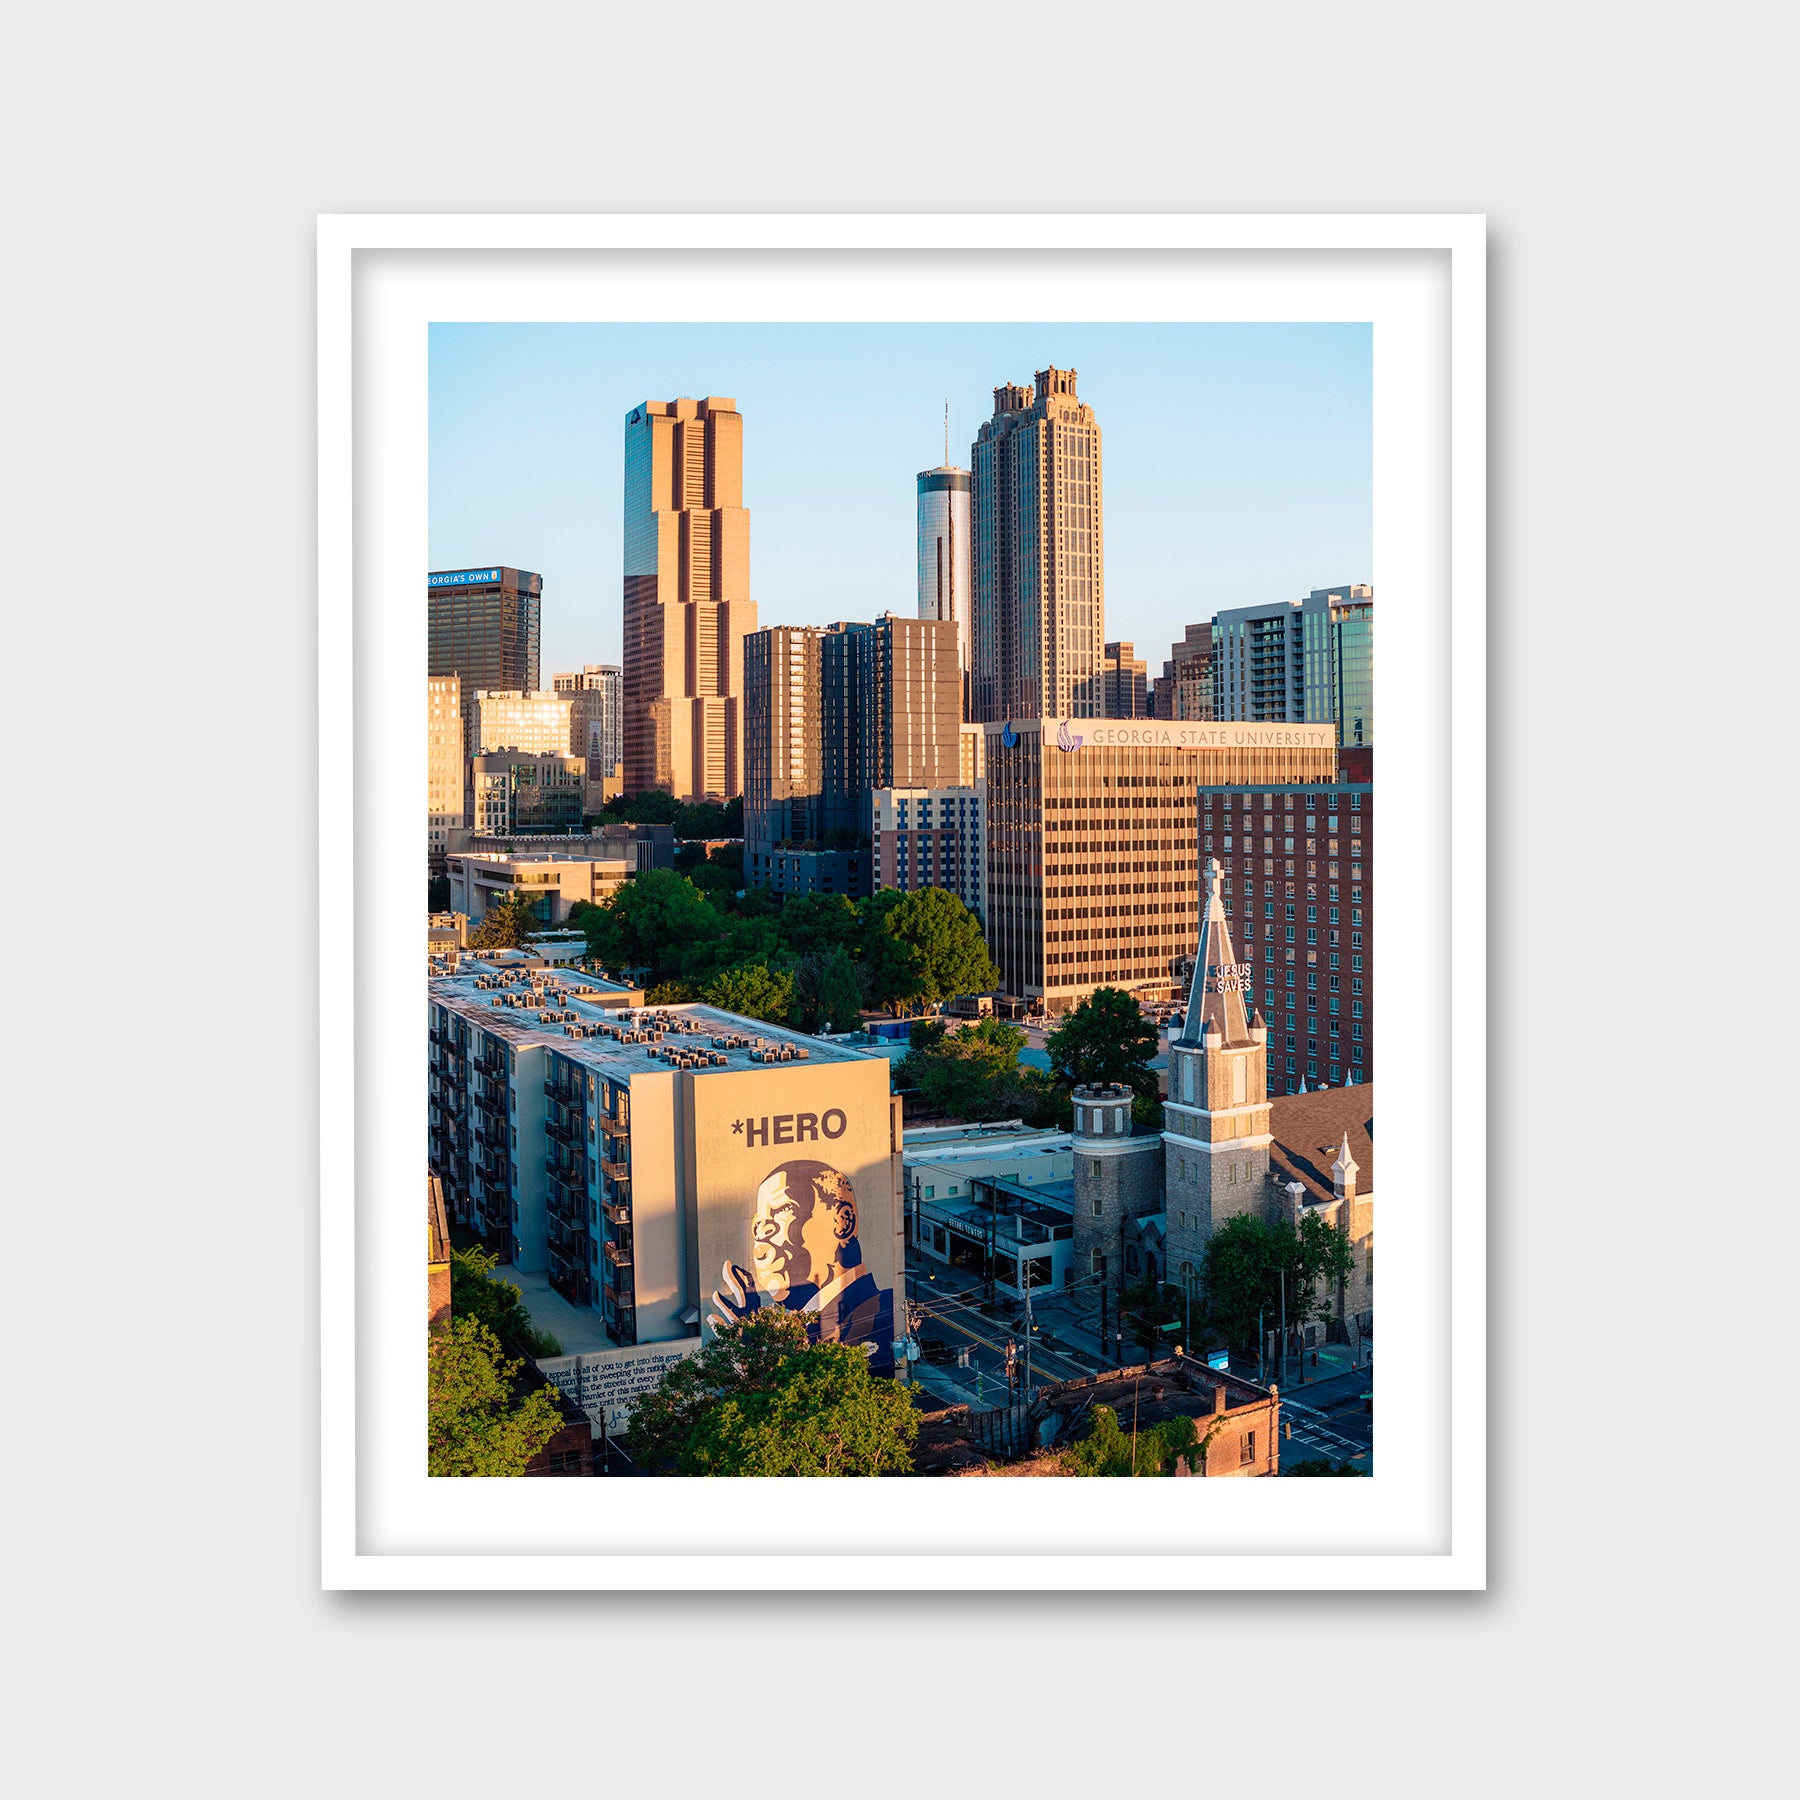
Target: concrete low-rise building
<point>640,847</point>
<point>945,1162</point>
<point>552,881</point>
<point>1018,1237</point>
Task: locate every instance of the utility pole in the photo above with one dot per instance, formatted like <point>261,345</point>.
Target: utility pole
<point>1134,1409</point>
<point>1282,1273</point>
<point>1103,1306</point>
<point>1262,1350</point>
<point>1029,1327</point>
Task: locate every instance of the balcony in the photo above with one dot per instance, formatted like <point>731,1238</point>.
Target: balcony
<point>566,1093</point>
<point>613,1128</point>
<point>616,1171</point>
<point>563,1131</point>
<point>618,1255</point>
<point>616,1214</point>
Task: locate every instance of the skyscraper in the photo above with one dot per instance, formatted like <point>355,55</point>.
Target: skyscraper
<point>687,597</point>
<point>483,628</point>
<point>1186,688</point>
<point>1127,691</point>
<point>830,715</point>
<point>1037,565</point>
<point>944,553</point>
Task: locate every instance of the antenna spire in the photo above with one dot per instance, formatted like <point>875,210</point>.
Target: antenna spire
<point>946,434</point>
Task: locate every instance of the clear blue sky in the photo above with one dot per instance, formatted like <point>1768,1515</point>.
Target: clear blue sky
<point>1237,458</point>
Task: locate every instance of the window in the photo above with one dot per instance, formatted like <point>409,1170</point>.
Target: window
<point>1097,1262</point>
<point>1247,1449</point>
<point>1096,1203</point>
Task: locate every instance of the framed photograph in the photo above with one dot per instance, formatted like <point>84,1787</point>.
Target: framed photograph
<point>900,997</point>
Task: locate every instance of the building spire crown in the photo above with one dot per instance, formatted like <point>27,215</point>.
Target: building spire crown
<point>1216,999</point>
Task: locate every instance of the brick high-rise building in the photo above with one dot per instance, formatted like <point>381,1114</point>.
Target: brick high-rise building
<point>1298,874</point>
<point>1037,573</point>
<point>687,597</point>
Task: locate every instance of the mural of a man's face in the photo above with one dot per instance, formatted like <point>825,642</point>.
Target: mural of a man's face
<point>805,1228</point>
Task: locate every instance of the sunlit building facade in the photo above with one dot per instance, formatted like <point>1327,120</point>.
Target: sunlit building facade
<point>1092,844</point>
<point>1037,563</point>
<point>686,596</point>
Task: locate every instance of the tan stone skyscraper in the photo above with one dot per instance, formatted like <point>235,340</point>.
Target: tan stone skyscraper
<point>687,597</point>
<point>1037,578</point>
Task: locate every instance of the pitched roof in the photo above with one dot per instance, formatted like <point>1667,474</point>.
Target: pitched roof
<point>1220,982</point>
<point>1310,1129</point>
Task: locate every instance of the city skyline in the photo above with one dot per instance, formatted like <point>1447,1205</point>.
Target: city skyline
<point>1238,457</point>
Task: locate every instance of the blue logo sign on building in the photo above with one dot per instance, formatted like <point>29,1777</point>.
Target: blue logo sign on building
<point>465,578</point>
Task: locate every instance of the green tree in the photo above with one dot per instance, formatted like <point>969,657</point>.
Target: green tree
<point>437,893</point>
<point>508,924</point>
<point>1106,1038</point>
<point>701,821</point>
<point>1320,1465</point>
<point>656,921</point>
<point>476,1292</point>
<point>946,937</point>
<point>965,1073</point>
<point>840,1000</point>
<point>761,1400</point>
<point>754,990</point>
<point>652,806</point>
<point>478,1423</point>
<point>1251,1266</point>
<point>818,922</point>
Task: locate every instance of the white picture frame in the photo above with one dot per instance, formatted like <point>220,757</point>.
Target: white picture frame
<point>1421,280</point>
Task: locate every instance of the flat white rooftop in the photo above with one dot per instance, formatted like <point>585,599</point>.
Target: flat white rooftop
<point>554,1011</point>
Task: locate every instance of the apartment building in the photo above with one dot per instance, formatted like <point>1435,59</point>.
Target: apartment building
<point>671,1168</point>
<point>933,837</point>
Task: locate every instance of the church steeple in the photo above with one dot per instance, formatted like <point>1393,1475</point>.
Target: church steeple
<point>1216,997</point>
<point>1216,1115</point>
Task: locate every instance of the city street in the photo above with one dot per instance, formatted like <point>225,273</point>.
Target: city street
<point>1323,1415</point>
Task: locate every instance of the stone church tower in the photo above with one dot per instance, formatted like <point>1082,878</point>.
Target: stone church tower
<point>1216,1116</point>
<point>1117,1177</point>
